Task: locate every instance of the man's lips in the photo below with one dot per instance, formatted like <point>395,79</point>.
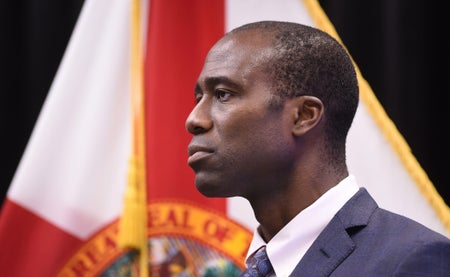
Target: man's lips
<point>197,152</point>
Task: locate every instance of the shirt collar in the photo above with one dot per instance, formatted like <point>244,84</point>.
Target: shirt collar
<point>297,236</point>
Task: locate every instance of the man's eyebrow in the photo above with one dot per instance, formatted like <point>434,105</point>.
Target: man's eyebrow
<point>211,82</point>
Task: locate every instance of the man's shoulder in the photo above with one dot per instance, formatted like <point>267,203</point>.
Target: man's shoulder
<point>366,240</point>
<point>379,223</point>
<point>403,228</point>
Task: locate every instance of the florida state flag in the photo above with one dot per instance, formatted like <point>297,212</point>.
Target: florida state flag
<point>103,188</point>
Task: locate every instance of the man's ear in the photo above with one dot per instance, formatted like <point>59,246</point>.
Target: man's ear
<point>308,112</point>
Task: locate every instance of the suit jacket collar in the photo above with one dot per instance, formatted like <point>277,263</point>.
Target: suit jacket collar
<point>335,244</point>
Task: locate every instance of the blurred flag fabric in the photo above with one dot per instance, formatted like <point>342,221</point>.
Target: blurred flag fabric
<point>64,208</point>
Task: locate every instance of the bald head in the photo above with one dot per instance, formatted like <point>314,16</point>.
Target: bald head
<point>302,60</point>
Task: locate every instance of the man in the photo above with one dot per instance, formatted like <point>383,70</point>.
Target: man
<point>274,103</point>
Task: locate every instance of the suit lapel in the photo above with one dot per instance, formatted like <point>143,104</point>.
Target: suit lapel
<point>335,244</point>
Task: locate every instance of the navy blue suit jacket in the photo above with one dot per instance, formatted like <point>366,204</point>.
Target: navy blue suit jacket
<point>364,240</point>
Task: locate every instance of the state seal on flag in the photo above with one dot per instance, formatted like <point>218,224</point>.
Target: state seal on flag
<point>184,239</point>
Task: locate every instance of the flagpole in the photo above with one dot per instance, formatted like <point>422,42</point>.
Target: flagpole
<point>133,223</point>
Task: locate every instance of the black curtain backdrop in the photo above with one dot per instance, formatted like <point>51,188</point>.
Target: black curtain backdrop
<point>400,47</point>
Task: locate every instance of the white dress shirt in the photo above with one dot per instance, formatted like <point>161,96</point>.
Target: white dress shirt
<point>288,246</point>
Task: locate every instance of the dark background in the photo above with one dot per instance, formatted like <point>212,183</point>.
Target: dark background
<point>401,48</point>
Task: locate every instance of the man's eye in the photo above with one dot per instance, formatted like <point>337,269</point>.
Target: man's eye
<point>198,97</point>
<point>223,95</point>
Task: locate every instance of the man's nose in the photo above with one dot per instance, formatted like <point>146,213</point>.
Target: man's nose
<point>199,120</point>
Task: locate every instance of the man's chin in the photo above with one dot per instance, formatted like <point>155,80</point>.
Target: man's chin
<point>210,190</point>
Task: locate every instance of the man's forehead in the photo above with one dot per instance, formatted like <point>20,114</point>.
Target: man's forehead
<point>244,39</point>
<point>238,48</point>
<point>237,57</point>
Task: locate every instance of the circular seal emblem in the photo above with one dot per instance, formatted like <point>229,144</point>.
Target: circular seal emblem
<point>184,239</point>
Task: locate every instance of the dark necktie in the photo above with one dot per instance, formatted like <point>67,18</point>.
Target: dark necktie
<point>258,265</point>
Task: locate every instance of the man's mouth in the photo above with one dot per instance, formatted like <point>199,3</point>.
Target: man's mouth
<point>197,153</point>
